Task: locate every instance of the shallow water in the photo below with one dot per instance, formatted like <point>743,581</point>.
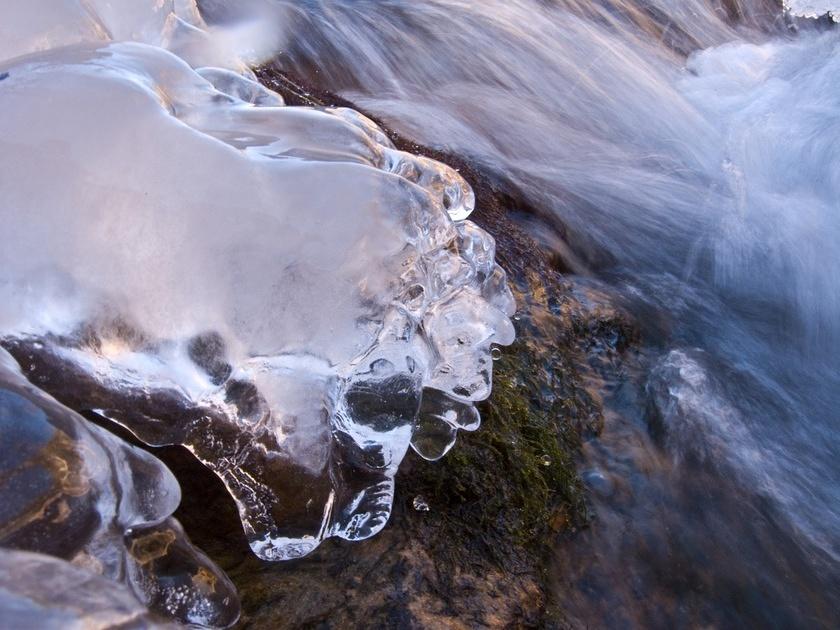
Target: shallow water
<point>684,154</point>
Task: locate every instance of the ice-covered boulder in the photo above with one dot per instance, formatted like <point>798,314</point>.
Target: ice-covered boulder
<point>276,288</point>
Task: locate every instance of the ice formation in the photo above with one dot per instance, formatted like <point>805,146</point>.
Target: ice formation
<point>40,591</point>
<point>75,491</point>
<point>276,288</point>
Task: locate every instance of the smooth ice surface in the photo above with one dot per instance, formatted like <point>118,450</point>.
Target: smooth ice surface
<point>273,287</point>
<point>75,491</point>
<point>39,591</point>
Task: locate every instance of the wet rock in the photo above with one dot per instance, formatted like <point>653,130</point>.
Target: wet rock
<point>209,353</point>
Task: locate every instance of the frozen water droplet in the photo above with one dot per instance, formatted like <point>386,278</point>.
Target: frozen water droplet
<point>545,460</point>
<point>433,436</point>
<point>420,504</point>
<point>496,354</point>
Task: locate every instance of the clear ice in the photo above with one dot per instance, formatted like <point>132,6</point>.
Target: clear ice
<point>75,491</point>
<point>47,593</point>
<point>276,288</point>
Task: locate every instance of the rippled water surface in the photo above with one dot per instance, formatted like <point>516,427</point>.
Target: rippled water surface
<point>684,153</point>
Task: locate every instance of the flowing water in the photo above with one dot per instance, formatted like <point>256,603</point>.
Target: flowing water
<point>684,153</point>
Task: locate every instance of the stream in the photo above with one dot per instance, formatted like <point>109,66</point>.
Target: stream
<point>683,155</point>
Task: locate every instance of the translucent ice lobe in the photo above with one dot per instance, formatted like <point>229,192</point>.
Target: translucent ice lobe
<point>176,579</point>
<point>39,591</point>
<point>438,422</point>
<point>272,287</point>
<point>175,217</point>
<point>73,490</point>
